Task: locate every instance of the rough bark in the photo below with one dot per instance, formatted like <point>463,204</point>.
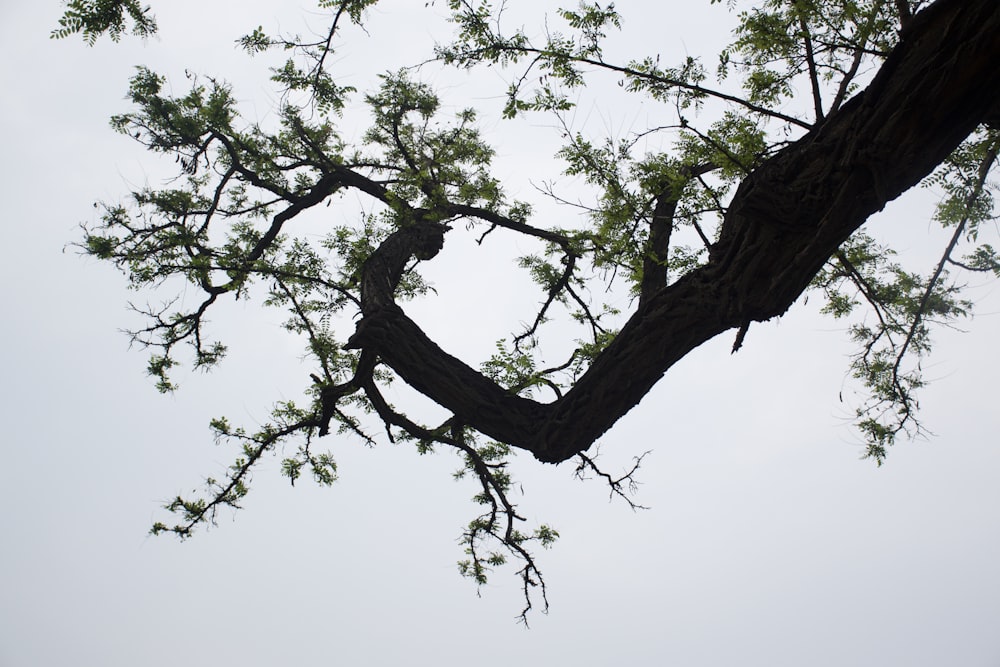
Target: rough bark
<point>785,221</point>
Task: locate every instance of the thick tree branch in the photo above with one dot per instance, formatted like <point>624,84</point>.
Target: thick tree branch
<point>786,219</point>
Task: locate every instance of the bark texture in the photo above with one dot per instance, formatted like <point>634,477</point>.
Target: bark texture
<point>786,219</point>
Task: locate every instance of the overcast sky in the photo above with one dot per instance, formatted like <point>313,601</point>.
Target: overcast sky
<point>768,541</point>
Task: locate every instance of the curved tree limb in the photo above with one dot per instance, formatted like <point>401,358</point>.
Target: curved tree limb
<point>786,219</point>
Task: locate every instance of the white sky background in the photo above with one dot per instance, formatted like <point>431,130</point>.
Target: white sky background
<point>768,541</point>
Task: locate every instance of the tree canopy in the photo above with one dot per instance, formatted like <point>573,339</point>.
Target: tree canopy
<point>750,187</point>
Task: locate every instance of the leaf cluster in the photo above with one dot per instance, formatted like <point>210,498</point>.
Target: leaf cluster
<point>93,18</point>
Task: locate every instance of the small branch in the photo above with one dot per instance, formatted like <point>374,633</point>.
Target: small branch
<point>740,336</point>
<point>498,220</point>
<point>235,488</point>
<point>811,62</point>
<point>325,49</point>
<point>554,291</point>
<point>905,15</point>
<point>867,291</point>
<point>859,54</point>
<point>977,189</point>
<point>624,487</point>
<point>673,83</point>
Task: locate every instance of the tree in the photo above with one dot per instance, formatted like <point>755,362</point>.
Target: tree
<point>746,202</point>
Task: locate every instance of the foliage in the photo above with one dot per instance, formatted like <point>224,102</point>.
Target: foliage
<point>94,18</point>
<point>657,204</point>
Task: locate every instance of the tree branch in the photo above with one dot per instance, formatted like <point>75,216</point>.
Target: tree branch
<point>784,222</point>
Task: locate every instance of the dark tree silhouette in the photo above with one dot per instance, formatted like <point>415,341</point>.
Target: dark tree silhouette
<point>748,206</point>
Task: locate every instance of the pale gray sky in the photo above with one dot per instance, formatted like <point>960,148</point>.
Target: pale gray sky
<point>768,542</point>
